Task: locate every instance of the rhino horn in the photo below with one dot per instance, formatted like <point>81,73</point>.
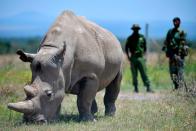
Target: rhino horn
<point>30,91</point>
<point>23,106</point>
<point>26,57</point>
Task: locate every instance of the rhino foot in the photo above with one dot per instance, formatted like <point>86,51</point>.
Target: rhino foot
<point>86,117</point>
<point>110,110</point>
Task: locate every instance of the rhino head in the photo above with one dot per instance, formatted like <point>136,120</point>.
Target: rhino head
<point>45,92</point>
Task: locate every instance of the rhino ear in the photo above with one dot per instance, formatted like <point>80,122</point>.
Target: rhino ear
<point>26,57</point>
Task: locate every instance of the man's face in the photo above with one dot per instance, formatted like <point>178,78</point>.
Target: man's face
<point>136,31</point>
<point>176,23</point>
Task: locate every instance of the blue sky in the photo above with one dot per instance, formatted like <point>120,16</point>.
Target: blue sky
<point>135,11</point>
<point>106,9</point>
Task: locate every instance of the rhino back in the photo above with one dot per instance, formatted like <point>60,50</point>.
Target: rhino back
<point>94,49</point>
<point>110,47</point>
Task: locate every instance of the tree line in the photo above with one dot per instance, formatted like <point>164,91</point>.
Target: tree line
<point>11,45</point>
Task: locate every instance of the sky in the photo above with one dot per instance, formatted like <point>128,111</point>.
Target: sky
<point>106,9</point>
<point>136,11</point>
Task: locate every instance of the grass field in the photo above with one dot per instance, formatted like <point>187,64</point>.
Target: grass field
<point>163,110</point>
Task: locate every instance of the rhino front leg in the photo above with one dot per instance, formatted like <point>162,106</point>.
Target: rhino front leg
<point>58,112</point>
<point>94,107</point>
<point>111,94</point>
<point>87,93</point>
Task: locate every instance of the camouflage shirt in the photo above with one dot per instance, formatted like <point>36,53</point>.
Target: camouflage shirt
<point>175,43</point>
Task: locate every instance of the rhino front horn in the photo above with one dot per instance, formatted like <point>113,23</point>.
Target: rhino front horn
<point>23,106</point>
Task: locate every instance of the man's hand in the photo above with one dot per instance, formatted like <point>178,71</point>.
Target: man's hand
<point>164,48</point>
<point>145,56</point>
<point>177,58</point>
<point>129,55</point>
<point>186,48</point>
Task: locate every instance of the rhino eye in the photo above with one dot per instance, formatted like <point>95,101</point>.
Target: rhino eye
<point>49,93</point>
<point>38,67</point>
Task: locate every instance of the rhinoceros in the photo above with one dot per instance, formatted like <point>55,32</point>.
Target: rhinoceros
<point>76,56</point>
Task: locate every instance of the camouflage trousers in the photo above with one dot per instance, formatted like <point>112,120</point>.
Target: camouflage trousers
<point>176,69</point>
<point>139,64</point>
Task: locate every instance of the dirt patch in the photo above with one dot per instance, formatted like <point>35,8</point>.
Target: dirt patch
<point>140,96</point>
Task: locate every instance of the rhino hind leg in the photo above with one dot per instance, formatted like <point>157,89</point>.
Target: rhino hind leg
<point>85,98</point>
<point>111,94</point>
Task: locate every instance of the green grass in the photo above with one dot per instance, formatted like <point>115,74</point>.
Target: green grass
<point>172,111</point>
<point>11,75</point>
<point>158,76</point>
<point>169,113</point>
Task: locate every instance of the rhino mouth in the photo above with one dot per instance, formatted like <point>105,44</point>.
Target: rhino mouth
<point>40,119</point>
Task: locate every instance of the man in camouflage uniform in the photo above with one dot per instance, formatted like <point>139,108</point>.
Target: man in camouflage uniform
<point>135,49</point>
<point>176,49</point>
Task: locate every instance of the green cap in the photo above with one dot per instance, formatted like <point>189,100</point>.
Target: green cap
<point>135,27</point>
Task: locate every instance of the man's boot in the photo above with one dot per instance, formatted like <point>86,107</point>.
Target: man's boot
<point>136,89</point>
<point>176,85</point>
<point>148,89</point>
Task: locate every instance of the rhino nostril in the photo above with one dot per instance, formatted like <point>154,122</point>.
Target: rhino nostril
<point>42,121</point>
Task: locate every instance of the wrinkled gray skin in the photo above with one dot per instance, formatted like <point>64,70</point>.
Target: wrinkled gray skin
<point>76,56</point>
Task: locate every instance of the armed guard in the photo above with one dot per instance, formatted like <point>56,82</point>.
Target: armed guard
<point>135,49</point>
<point>175,47</point>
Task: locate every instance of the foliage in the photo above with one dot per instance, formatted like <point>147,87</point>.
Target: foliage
<point>31,44</point>
<point>11,45</point>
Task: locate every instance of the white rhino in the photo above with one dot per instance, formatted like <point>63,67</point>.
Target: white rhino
<point>76,56</point>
